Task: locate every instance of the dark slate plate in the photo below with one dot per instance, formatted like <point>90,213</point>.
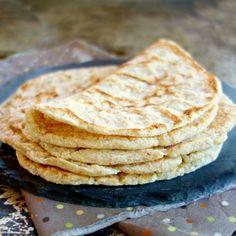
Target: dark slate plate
<point>203,182</point>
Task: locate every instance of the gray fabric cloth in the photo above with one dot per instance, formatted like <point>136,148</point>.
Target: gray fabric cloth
<point>214,216</point>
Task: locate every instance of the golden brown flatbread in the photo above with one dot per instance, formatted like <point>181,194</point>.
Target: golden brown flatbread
<point>161,89</point>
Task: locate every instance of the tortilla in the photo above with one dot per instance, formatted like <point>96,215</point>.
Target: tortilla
<point>42,129</point>
<point>161,89</point>
<point>59,176</point>
<point>49,86</point>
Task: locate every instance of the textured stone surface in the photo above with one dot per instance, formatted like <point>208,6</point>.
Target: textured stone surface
<point>204,27</point>
<point>14,216</point>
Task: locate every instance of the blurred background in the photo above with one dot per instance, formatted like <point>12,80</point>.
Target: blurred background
<point>207,28</point>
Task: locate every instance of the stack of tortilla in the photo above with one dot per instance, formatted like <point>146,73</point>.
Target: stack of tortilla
<point>156,117</point>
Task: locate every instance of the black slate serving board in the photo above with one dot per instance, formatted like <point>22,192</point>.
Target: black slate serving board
<point>203,182</point>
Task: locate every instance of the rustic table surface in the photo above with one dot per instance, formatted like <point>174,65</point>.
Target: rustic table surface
<point>206,28</point>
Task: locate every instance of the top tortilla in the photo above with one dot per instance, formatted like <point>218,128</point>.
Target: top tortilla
<point>160,90</point>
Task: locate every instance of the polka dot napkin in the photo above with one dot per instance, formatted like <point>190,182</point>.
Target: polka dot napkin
<point>215,216</point>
